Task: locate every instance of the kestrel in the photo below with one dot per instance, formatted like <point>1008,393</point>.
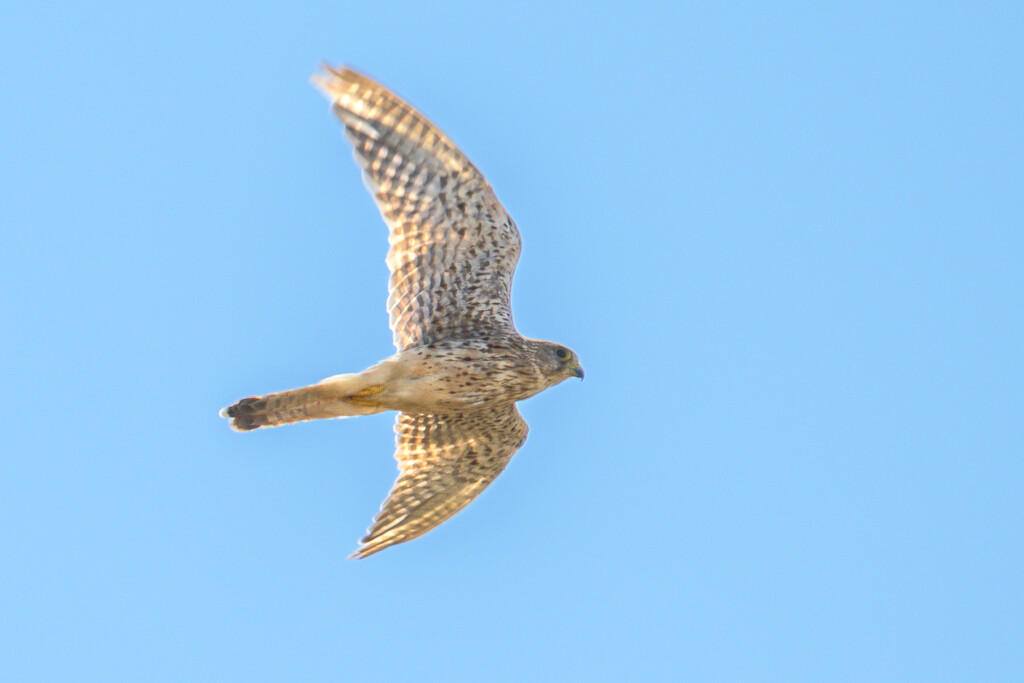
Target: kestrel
<point>461,365</point>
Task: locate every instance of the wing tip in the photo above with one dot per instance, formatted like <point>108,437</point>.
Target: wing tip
<point>332,81</point>
<point>366,549</point>
<point>359,554</point>
<point>329,80</point>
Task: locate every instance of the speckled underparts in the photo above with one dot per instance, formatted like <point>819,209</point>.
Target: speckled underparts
<point>461,365</point>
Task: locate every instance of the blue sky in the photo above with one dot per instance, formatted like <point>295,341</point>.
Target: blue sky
<point>786,240</point>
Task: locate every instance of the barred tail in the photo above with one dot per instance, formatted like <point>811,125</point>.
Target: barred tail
<point>314,402</point>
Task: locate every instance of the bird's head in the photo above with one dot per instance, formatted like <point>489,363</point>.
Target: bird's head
<point>557,362</point>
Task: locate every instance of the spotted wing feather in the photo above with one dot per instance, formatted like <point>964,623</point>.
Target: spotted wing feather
<point>444,462</point>
<point>453,246</point>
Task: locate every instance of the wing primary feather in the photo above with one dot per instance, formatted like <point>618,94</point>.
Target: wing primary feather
<point>438,208</point>
<point>444,462</point>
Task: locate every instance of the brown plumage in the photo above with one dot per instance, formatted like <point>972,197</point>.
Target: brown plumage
<point>461,365</point>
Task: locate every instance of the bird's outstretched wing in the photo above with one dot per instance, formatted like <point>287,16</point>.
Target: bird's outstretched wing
<point>453,246</point>
<point>444,462</point>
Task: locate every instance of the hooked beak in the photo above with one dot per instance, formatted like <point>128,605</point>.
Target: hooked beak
<point>578,371</point>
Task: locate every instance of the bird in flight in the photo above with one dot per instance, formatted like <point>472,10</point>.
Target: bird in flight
<point>461,365</point>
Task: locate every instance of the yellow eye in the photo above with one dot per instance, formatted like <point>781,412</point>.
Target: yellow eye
<point>562,353</point>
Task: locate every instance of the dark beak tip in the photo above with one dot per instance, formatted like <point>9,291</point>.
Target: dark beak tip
<point>579,372</point>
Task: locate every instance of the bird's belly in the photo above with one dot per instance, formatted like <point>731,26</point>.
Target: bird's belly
<point>438,392</point>
<point>425,384</point>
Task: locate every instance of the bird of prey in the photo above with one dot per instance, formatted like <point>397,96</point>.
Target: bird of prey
<point>461,365</point>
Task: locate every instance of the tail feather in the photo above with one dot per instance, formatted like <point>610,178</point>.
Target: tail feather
<point>265,411</point>
<point>314,402</point>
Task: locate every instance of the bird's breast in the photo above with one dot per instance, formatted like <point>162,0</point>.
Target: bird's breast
<point>452,378</point>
